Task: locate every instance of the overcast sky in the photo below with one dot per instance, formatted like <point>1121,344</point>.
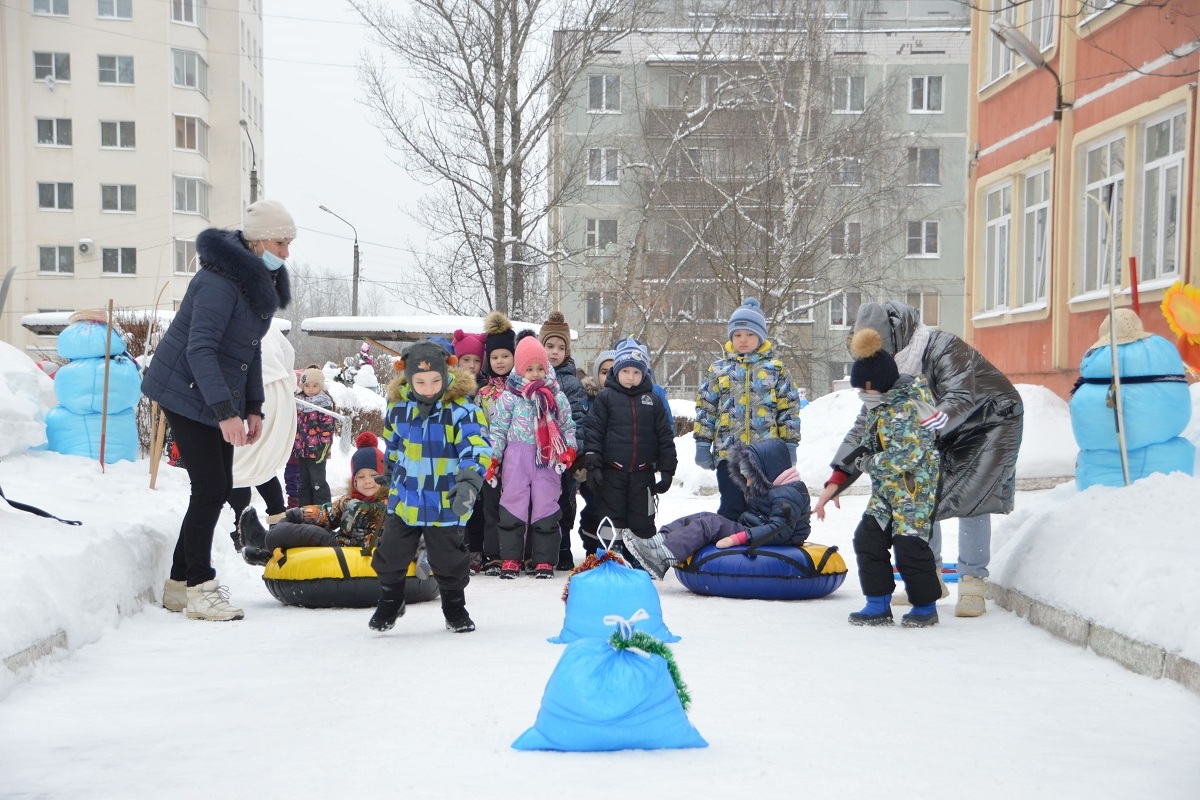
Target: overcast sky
<point>323,149</point>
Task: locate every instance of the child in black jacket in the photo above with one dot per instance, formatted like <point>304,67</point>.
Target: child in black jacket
<point>627,439</point>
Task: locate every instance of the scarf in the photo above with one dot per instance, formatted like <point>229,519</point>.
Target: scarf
<point>549,444</point>
<point>910,360</point>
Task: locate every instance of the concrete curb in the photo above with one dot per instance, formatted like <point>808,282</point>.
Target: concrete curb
<point>1136,656</point>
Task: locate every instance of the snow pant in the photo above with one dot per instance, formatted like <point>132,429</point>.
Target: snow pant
<point>733,502</point>
<point>914,560</point>
<point>628,500</point>
<point>974,545</point>
<point>298,534</point>
<point>208,459</point>
<point>566,515</point>
<point>491,521</point>
<point>271,493</point>
<point>530,495</point>
<point>314,489</point>
<point>589,517</point>
<point>291,482</point>
<point>475,525</point>
<point>445,545</point>
<point>689,534</point>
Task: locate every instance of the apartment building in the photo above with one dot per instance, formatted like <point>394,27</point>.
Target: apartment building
<point>126,128</point>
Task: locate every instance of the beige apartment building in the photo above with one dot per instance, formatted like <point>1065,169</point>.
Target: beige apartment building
<point>126,128</point>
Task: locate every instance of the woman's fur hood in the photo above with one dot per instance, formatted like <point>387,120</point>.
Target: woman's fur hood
<point>462,386</point>
<point>226,253</point>
<point>755,467</point>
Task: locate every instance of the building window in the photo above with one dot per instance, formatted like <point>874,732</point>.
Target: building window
<point>1035,237</point>
<point>1001,59</point>
<point>57,259</point>
<point>601,234</point>
<point>927,304</point>
<point>998,210</point>
<point>59,196</point>
<point>189,12</point>
<point>924,166</point>
<point>1043,23</point>
<point>925,94</point>
<point>849,94</point>
<point>57,8</point>
<point>115,197</point>
<point>118,134</point>
<point>1094,8</point>
<point>845,239</point>
<point>1104,176</point>
<point>798,307</point>
<point>189,71</point>
<point>185,256</point>
<point>843,309</point>
<point>602,165</point>
<point>191,196</point>
<point>116,69</point>
<point>118,261</point>
<point>601,308</point>
<point>604,93</point>
<point>114,9</point>
<point>1162,189</point>
<point>847,171</point>
<point>56,66</point>
<point>923,238</point>
<point>55,132</point>
<point>191,133</point>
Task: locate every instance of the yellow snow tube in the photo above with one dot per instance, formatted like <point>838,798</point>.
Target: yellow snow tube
<point>334,577</point>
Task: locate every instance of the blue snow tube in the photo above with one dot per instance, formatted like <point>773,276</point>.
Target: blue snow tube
<point>767,573</point>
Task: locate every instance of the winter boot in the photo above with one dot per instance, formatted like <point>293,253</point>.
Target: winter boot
<point>253,532</point>
<point>509,570</point>
<point>237,539</point>
<point>454,609</point>
<point>901,598</point>
<point>653,554</point>
<point>543,571</point>
<point>476,562</point>
<point>971,591</point>
<point>877,611</point>
<point>390,608</point>
<point>210,601</point>
<point>174,595</point>
<point>921,617</point>
<point>492,566</point>
<point>256,556</point>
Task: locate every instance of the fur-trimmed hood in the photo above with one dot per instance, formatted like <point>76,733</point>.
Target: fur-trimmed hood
<point>590,385</point>
<point>462,386</point>
<point>756,467</point>
<point>227,254</point>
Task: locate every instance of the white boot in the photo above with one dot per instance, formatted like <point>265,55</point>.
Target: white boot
<point>174,595</point>
<point>971,591</point>
<point>210,600</point>
<point>901,598</point>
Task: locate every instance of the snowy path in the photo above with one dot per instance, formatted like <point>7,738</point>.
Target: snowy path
<point>794,702</point>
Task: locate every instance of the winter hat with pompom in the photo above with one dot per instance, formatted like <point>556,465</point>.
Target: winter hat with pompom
<point>367,456</point>
<point>529,351</point>
<point>630,353</point>
<point>874,368</point>
<point>749,317</point>
<point>556,325</point>
<point>468,344</point>
<point>497,335</point>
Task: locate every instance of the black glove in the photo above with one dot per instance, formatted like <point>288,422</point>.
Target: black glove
<point>294,515</point>
<point>461,496</point>
<point>594,467</point>
<point>664,483</point>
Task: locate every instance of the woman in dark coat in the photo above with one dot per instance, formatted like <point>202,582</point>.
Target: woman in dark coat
<point>207,377</point>
<point>978,439</point>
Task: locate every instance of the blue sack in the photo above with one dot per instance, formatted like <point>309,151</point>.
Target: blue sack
<point>611,588</point>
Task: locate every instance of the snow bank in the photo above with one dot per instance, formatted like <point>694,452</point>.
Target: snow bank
<point>25,396</point>
<point>1048,448</point>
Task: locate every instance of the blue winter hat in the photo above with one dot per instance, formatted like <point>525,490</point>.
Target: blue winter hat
<point>749,317</point>
<point>630,354</point>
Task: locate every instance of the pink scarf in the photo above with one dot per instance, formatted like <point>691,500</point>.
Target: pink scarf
<point>548,439</point>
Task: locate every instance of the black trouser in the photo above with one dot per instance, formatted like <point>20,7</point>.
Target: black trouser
<point>208,459</point>
<point>475,525</point>
<point>314,489</point>
<point>628,501</point>
<point>733,502</point>
<point>914,560</point>
<point>491,521</point>
<point>271,492</point>
<point>566,515</point>
<point>589,517</point>
<point>397,547</point>
<point>537,540</point>
<point>298,534</point>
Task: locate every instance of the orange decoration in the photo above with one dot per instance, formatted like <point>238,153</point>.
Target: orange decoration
<point>1181,307</point>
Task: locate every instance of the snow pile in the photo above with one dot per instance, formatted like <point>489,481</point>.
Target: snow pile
<point>823,424</point>
<point>25,396</point>
<point>349,398</point>
<point>1048,448</point>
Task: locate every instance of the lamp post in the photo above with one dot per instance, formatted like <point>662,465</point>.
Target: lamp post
<point>354,287</point>
<point>253,162</point>
<point>1019,43</point>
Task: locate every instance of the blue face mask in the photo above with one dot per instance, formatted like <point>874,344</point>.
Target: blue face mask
<point>271,261</point>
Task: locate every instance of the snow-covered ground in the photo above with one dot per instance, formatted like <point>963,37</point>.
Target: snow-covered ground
<point>793,701</point>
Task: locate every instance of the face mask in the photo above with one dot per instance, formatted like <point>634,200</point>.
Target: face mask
<point>871,400</point>
<point>271,261</point>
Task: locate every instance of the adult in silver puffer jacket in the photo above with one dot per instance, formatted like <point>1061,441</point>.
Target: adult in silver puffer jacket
<point>978,443</point>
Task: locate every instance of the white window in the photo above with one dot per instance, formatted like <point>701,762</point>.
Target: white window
<point>1043,23</point>
<point>849,94</point>
<point>118,134</point>
<point>922,238</point>
<point>114,9</point>
<point>57,259</point>
<point>185,256</point>
<point>1162,191</point>
<point>600,234</point>
<point>604,93</point>
<point>998,215</point>
<point>710,89</point>
<point>847,171</point>
<point>191,195</point>
<point>191,133</point>
<point>925,94</point>
<point>118,261</point>
<point>59,196</point>
<point>601,307</point>
<point>1103,215</point>
<point>798,307</point>
<point>58,8</point>
<point>1035,237</point>
<point>118,197</point>
<point>1094,8</point>
<point>924,166</point>
<point>602,165</point>
<point>54,132</point>
<point>190,12</point>
<point>845,239</point>
<point>189,71</point>
<point>56,66</point>
<point>116,69</point>
<point>843,309</point>
<point>927,303</point>
<point>1001,59</point>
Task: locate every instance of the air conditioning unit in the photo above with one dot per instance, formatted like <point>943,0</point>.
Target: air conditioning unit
<point>86,246</point>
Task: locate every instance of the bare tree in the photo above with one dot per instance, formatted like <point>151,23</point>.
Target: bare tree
<point>316,293</point>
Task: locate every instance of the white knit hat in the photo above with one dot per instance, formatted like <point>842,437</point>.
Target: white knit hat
<point>268,219</point>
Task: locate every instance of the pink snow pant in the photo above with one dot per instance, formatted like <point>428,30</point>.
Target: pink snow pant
<point>529,497</point>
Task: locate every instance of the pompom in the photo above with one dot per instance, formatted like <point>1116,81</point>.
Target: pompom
<point>557,318</point>
<point>752,302</point>
<point>865,343</point>
<point>459,336</point>
<point>366,439</point>
<point>525,334</point>
<point>496,322</point>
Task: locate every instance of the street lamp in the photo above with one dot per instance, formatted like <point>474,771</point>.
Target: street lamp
<point>253,163</point>
<point>1019,43</point>
<point>354,288</point>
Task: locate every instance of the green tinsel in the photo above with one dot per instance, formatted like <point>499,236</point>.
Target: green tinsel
<point>643,641</point>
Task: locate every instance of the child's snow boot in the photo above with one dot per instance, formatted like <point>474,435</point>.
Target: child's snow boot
<point>454,609</point>
<point>924,616</point>
<point>509,570</point>
<point>971,591</point>
<point>390,608</point>
<point>253,532</point>
<point>543,571</point>
<point>900,598</point>
<point>210,601</point>
<point>256,556</point>
<point>877,611</point>
<point>652,554</point>
<point>174,595</point>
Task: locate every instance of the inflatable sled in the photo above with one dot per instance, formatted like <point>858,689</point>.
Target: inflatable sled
<point>334,577</point>
<point>769,573</point>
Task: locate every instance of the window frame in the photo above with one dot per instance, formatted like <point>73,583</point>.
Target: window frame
<point>119,62</point>
<point>1176,121</point>
<point>841,176</point>
<point>843,305</point>
<point>604,306</point>
<point>602,163</point>
<point>926,81</point>
<point>605,82</point>
<point>1089,279</point>
<point>196,9</point>
<point>202,190</point>
<point>125,198</point>
<point>57,187</point>
<point>118,133</point>
<point>198,133</point>
<point>180,70</point>
<point>59,250</point>
<point>845,239</point>
<point>56,124</point>
<point>185,254</point>
<point>1035,216</point>
<point>923,233</point>
<point>594,233</point>
<point>997,259</point>
<point>121,256</point>
<point>922,300</point>
<point>58,70</point>
<point>916,157</point>
<point>49,10</point>
<point>848,95</point>
<point>115,5</point>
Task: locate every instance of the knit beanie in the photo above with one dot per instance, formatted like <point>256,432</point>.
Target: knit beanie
<point>875,317</point>
<point>268,219</point>
<point>529,351</point>
<point>874,368</point>
<point>630,354</point>
<point>556,325</point>
<point>468,344</point>
<point>497,335</point>
<point>749,317</point>
<point>426,356</point>
<point>313,375</point>
<point>604,355</point>
<point>368,454</point>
